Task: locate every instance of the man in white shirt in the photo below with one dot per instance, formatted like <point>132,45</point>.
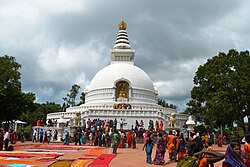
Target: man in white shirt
<point>6,140</point>
<point>121,124</point>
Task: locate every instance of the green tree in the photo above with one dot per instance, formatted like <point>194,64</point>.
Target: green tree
<point>221,93</point>
<point>82,97</point>
<point>71,97</point>
<point>40,112</point>
<point>12,100</point>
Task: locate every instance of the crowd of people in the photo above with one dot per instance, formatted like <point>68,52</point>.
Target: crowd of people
<point>180,148</point>
<point>104,133</point>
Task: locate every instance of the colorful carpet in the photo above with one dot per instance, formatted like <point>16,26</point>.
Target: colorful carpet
<point>9,162</point>
<point>48,150</point>
<point>81,162</point>
<point>103,160</point>
<point>17,165</point>
<point>17,155</point>
<point>62,163</point>
<point>58,147</point>
<point>94,152</point>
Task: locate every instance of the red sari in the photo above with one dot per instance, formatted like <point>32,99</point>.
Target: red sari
<point>219,141</point>
<point>133,141</point>
<point>129,140</point>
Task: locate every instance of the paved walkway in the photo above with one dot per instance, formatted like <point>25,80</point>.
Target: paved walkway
<point>126,157</point>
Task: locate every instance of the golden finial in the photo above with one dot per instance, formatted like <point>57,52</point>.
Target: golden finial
<point>122,25</point>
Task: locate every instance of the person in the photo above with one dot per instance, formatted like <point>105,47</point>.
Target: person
<point>206,138</point>
<point>234,156</point>
<point>6,140</point>
<point>149,147</point>
<point>161,126</point>
<point>78,137</point>
<point>22,137</point>
<point>115,124</point>
<point>48,133</point>
<point>115,142</point>
<point>208,157</point>
<point>157,126</point>
<point>107,140</point>
<point>145,136</point>
<point>34,135</point>
<point>208,147</point>
<point>194,145</point>
<point>247,146</point>
<point>122,140</point>
<point>160,151</point>
<point>1,139</point>
<point>181,146</point>
<point>129,139</point>
<point>66,138</point>
<point>82,139</point>
<point>90,138</point>
<point>41,136</point>
<point>133,140</point>
<point>55,135</point>
<point>121,124</point>
<point>171,138</point>
<point>220,139</point>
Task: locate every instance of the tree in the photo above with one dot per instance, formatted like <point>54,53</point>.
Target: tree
<point>221,93</point>
<point>82,97</point>
<point>71,97</point>
<point>163,103</point>
<point>12,100</point>
<point>40,111</point>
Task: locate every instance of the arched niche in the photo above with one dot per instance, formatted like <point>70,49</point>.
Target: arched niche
<point>122,90</point>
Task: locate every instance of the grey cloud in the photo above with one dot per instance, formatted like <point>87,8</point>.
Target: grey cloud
<point>171,39</point>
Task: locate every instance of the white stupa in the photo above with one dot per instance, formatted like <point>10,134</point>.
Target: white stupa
<point>122,90</point>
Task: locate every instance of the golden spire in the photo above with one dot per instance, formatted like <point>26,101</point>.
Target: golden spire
<point>122,25</point>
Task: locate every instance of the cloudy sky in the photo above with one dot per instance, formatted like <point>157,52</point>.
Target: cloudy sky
<point>63,42</point>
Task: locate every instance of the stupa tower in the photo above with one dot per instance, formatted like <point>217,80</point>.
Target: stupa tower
<point>122,51</point>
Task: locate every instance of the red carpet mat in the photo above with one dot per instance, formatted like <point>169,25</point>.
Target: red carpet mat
<point>102,161</point>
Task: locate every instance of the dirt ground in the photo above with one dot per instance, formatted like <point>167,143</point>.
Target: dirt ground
<point>126,157</point>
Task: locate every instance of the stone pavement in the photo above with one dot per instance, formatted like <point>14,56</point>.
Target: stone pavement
<point>126,157</point>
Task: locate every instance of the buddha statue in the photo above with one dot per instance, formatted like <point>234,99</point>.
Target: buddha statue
<point>122,90</point>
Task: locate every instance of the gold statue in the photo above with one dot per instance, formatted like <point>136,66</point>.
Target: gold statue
<point>122,90</point>
<point>122,25</point>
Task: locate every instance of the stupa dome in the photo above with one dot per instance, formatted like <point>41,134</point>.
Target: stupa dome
<point>108,76</point>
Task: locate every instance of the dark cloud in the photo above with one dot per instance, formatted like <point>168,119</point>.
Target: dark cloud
<point>59,45</point>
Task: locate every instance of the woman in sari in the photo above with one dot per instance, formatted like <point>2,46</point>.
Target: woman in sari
<point>160,151</point>
<point>170,140</point>
<point>247,146</point>
<point>129,139</point>
<point>133,140</point>
<point>66,138</point>
<point>149,147</point>
<point>235,157</point>
<point>220,141</point>
<point>157,126</point>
